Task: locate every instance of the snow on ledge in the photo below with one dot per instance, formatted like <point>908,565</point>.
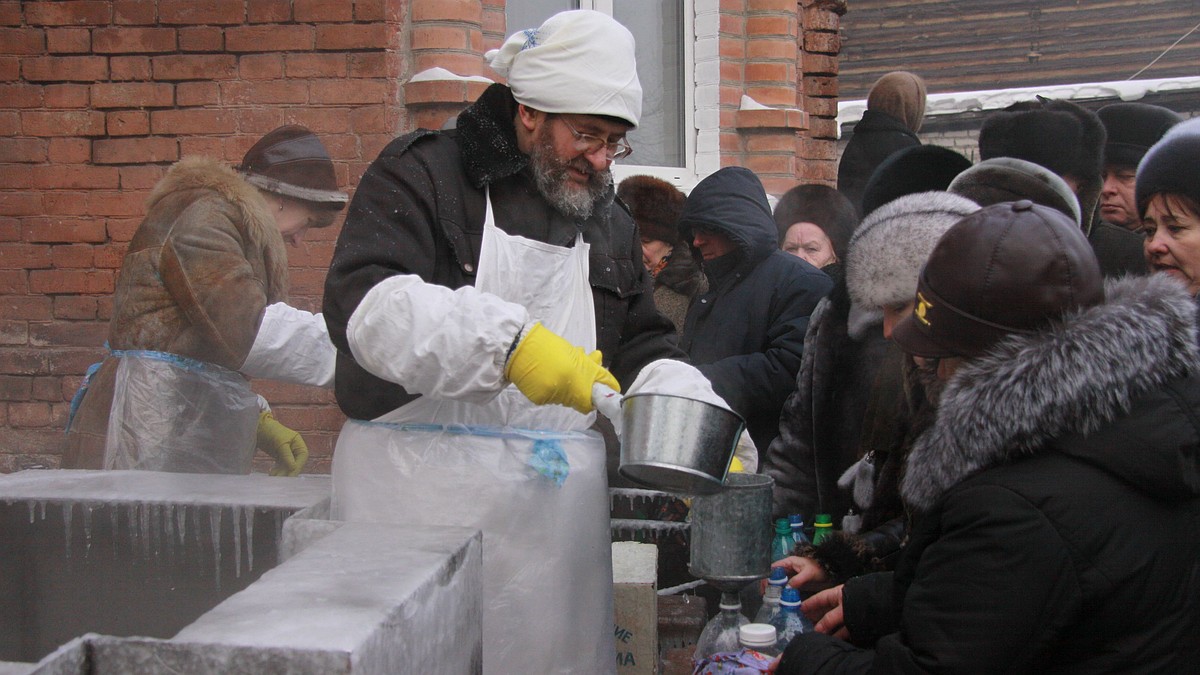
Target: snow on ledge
<point>438,74</point>
<point>994,99</point>
<point>750,104</point>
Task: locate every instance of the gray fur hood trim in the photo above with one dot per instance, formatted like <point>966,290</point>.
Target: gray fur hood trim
<point>1071,379</point>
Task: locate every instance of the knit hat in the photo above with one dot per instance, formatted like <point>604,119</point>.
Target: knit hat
<point>1013,267</point>
<point>901,95</point>
<point>1170,166</point>
<point>655,205</point>
<point>890,245</point>
<point>921,168</point>
<point>578,61</point>
<point>1008,179</point>
<point>1132,128</point>
<point>292,161</point>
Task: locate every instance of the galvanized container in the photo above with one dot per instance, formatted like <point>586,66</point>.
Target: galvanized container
<point>731,532</point>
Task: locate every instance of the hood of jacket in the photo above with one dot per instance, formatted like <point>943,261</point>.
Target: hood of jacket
<point>732,201</point>
<point>1054,390</point>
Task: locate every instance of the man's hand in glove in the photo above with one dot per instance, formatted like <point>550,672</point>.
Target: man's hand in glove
<point>548,369</point>
<point>282,443</point>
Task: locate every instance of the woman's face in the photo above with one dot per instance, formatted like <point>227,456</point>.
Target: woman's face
<point>809,241</point>
<point>1172,245</point>
<point>653,251</point>
<point>294,218</point>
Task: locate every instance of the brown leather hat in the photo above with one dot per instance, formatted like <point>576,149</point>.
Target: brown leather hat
<point>292,161</point>
<point>1012,267</point>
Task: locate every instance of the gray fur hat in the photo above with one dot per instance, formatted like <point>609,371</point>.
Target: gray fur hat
<point>889,248</point>
<point>1008,179</point>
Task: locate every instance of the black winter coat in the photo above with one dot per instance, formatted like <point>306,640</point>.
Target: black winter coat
<point>876,136</point>
<point>1058,504</point>
<point>746,333</point>
<point>419,209</point>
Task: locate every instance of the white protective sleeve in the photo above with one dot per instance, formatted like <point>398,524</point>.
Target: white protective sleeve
<point>434,341</point>
<point>292,345</point>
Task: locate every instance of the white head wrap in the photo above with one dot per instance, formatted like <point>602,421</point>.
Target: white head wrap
<point>578,61</point>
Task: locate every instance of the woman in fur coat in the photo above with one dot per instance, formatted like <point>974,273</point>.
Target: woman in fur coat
<point>1056,497</point>
<point>189,307</point>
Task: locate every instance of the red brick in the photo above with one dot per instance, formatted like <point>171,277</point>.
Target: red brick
<point>74,361</point>
<point>10,229</point>
<point>377,64</point>
<point>470,11</point>
<point>31,150</point>
<point>278,91</point>
<point>24,256</point>
<point>186,12</point>
<point>10,13</point>
<point>10,68</point>
<point>127,123</point>
<point>194,94</point>
<point>118,203</point>
<point>201,39</point>
<point>57,282</point>
<point>26,307</point>
<point>771,72</point>
<point>134,151</point>
<point>70,150</point>
<point>192,122</point>
<point>65,123</point>
<point>28,415</point>
<point>461,64</point>
<point>65,68</point>
<point>122,229</point>
<point>732,49</point>
<point>821,86</point>
<point>322,120</point>
<point>781,6</point>
<point>194,67</point>
<point>76,307</point>
<point>826,43</point>
<point>315,65</point>
<point>269,38</point>
<point>260,66</point>
<point>64,230</point>
<point>61,203</point>
<point>111,256</point>
<point>259,121</point>
<point>47,389</point>
<point>760,164</point>
<point>133,95</point>
<point>371,119</point>
<point>66,96</point>
<point>22,95</point>
<point>268,11</point>
<point>15,388</point>
<point>819,64</point>
<point>22,41</point>
<point>730,24</point>
<point>71,256</point>
<point>68,40</point>
<point>316,11</point>
<point>130,67</point>
<point>817,18</point>
<point>202,145</point>
<point>770,25</point>
<point>439,37</point>
<point>348,91</point>
<point>68,13</point>
<point>140,177</point>
<point>770,142</point>
<point>21,203</point>
<point>135,12</point>
<point>355,36</point>
<point>126,40</point>
<point>13,282</point>
<point>781,49</point>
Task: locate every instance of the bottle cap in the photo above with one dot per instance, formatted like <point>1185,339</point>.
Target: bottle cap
<point>790,597</point>
<point>734,604</point>
<point>782,526</point>
<point>778,576</point>
<point>796,520</point>
<point>823,519</point>
<point>757,634</point>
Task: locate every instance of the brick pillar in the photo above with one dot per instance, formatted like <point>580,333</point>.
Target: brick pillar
<point>446,34</point>
<point>817,88</point>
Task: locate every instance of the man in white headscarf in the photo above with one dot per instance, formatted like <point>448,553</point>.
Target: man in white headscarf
<point>479,271</point>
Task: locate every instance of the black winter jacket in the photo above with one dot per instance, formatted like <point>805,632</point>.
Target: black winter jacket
<point>746,333</point>
<point>1057,501</point>
<point>419,209</point>
<point>876,136</point>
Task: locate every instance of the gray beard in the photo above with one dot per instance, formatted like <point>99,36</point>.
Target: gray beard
<point>550,176</point>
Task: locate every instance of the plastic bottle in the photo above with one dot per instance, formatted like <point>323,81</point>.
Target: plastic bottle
<point>822,526</point>
<point>797,522</point>
<point>720,634</point>
<point>790,622</point>
<point>782,543</point>
<point>760,637</point>
<point>771,596</point>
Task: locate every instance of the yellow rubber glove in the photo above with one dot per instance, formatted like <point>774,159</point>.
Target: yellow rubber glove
<point>735,466</point>
<point>282,443</point>
<point>548,369</point>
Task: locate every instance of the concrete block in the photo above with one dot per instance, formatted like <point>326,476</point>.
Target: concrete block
<point>635,600</point>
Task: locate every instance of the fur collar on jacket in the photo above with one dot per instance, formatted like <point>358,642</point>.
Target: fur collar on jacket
<point>1072,379</point>
<point>488,139</point>
<point>262,234</point>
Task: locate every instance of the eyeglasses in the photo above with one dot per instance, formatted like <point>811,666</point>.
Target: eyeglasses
<point>587,143</point>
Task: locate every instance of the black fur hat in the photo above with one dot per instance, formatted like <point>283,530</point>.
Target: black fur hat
<point>656,206</point>
<point>921,168</point>
<point>1170,166</point>
<point>1132,128</point>
<point>1059,135</point>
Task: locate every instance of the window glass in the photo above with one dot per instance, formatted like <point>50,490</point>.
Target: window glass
<point>522,14</point>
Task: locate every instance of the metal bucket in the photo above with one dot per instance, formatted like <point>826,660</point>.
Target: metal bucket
<point>677,444</point>
<point>731,532</point>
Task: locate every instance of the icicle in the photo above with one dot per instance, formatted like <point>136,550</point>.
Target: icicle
<point>31,512</point>
<point>278,530</point>
<point>168,535</point>
<point>144,529</point>
<point>237,540</point>
<point>154,528</point>
<point>214,523</point>
<point>42,509</point>
<point>114,521</point>
<point>250,539</point>
<point>131,516</point>
<point>181,523</point>
<point>68,509</point>
<point>87,528</point>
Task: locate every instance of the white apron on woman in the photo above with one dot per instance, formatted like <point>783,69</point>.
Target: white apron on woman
<point>496,467</point>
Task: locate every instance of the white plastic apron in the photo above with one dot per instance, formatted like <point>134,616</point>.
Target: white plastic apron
<point>547,561</point>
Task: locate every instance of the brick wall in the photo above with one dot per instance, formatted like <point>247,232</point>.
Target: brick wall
<point>99,97</point>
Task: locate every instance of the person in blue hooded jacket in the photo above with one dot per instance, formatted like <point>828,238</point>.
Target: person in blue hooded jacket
<point>746,333</point>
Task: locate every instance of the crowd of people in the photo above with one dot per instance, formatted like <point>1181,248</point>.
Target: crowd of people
<point>986,372</point>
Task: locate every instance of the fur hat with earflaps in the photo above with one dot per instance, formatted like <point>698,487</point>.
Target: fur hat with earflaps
<point>655,205</point>
<point>1132,128</point>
